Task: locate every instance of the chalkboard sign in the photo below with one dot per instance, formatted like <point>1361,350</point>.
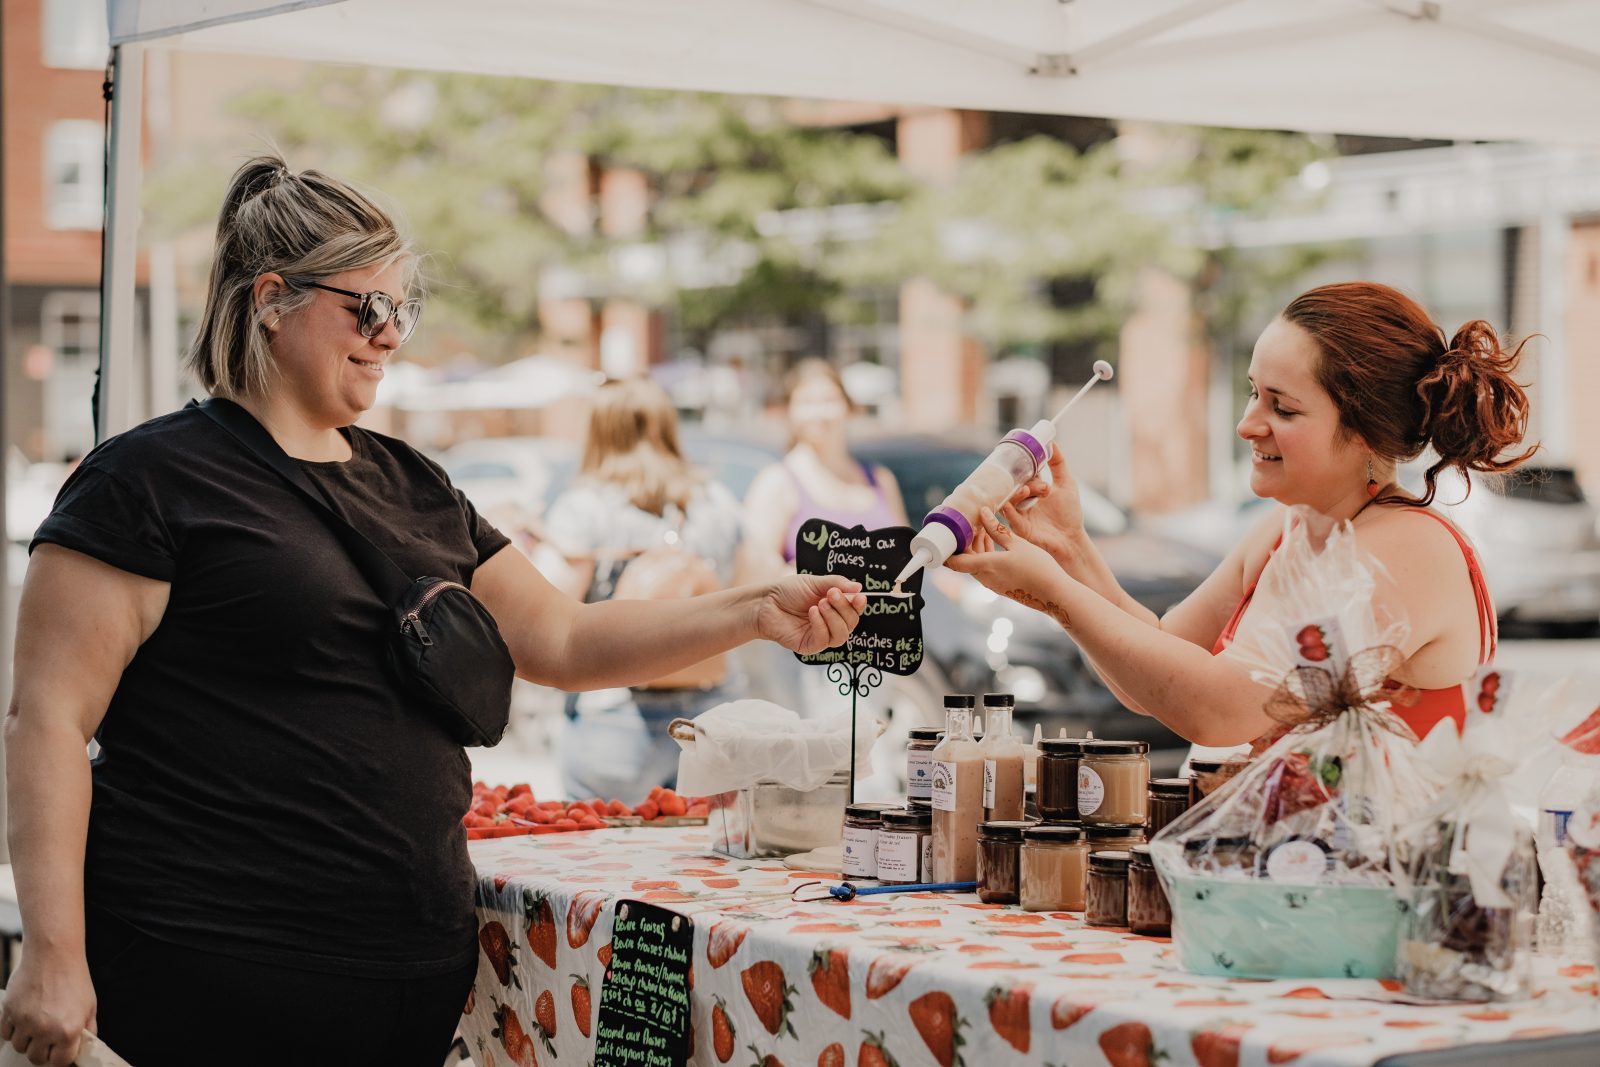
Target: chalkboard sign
<point>644,1000</point>
<point>889,635</point>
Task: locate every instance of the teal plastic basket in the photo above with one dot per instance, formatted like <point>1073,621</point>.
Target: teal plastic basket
<point>1265,929</point>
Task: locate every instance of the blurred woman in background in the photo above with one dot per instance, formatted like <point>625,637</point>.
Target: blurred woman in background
<point>640,523</point>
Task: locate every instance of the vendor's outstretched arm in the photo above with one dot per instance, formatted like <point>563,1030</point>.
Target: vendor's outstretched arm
<point>557,641</point>
<point>1206,699</point>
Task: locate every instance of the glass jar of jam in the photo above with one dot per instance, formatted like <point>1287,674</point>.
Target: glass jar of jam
<point>1113,777</point>
<point>1053,867</point>
<point>1106,895</point>
<point>1168,799</point>
<point>1149,913</point>
<point>919,762</point>
<point>1113,837</point>
<point>1220,854</point>
<point>859,842</point>
<point>1056,788</point>
<point>999,861</point>
<point>905,842</point>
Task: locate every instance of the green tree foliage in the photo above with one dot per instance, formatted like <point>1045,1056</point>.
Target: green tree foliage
<point>751,217</point>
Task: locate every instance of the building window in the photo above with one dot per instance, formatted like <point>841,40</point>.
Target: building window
<point>70,328</point>
<point>75,34</point>
<point>74,175</point>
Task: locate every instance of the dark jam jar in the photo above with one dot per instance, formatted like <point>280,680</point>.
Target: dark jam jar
<point>1207,775</point>
<point>1057,791</point>
<point>1169,798</point>
<point>1148,911</point>
<point>1106,896</point>
<point>999,857</point>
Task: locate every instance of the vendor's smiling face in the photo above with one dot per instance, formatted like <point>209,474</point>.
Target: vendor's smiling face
<point>1299,452</point>
<point>327,368</point>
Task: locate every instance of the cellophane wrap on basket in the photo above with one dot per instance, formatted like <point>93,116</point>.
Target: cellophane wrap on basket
<point>1285,870</point>
<point>1467,869</point>
<point>1583,830</point>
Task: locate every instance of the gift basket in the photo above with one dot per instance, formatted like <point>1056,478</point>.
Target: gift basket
<point>1284,871</point>
<point>1466,867</point>
<point>1582,844</point>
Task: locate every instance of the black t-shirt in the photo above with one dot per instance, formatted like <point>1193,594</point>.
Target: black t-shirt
<point>264,787</point>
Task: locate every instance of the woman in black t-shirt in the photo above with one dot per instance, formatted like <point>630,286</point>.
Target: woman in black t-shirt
<point>265,863</point>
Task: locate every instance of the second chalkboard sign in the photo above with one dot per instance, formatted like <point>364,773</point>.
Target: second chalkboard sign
<point>889,635</point>
<point>643,1020</point>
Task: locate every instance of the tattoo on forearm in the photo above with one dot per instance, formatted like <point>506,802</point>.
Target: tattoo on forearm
<point>1049,607</point>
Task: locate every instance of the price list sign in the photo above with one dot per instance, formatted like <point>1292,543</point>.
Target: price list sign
<point>643,1019</point>
<point>889,635</point>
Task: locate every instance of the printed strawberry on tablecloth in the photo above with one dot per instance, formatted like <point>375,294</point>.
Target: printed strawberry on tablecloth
<point>911,979</point>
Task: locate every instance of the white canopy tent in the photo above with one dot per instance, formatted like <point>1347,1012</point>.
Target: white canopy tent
<point>1463,69</point>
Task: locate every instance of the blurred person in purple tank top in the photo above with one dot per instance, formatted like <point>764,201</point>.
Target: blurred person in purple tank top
<point>816,479</point>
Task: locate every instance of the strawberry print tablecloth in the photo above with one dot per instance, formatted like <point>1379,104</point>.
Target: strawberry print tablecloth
<point>912,979</point>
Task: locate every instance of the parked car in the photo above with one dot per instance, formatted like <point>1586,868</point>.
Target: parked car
<point>1538,538</point>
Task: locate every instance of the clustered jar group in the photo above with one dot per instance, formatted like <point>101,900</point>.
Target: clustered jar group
<point>1096,806</point>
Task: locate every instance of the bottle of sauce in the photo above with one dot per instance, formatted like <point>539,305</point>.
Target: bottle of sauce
<point>957,795</point>
<point>1003,756</point>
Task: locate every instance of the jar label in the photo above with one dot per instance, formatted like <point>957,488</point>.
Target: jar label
<point>927,859</point>
<point>859,858</point>
<point>988,783</point>
<point>897,857</point>
<point>943,787</point>
<point>919,774</point>
<point>1091,790</point>
<point>1297,861</point>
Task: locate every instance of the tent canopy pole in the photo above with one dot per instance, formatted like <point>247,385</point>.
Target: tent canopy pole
<point>119,347</point>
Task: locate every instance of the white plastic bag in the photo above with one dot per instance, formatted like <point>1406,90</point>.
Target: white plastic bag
<point>738,744</point>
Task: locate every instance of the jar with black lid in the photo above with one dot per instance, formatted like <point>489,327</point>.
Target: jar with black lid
<point>1056,788</point>
<point>999,860</point>
<point>859,842</point>
<point>1149,912</point>
<point>1113,836</point>
<point>1169,798</point>
<point>905,843</point>
<point>919,761</point>
<point>1113,781</point>
<point>1106,895</point>
<point>1207,775</point>
<point>1054,861</point>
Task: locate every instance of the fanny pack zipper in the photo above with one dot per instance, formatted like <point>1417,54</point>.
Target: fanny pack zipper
<point>412,620</point>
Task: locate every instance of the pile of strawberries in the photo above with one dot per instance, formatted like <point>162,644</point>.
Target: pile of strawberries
<point>505,811</point>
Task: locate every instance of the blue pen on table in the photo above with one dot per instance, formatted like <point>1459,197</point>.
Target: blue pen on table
<point>849,890</point>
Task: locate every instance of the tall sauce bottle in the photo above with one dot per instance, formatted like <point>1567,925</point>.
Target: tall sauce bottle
<point>1003,755</point>
<point>957,795</point>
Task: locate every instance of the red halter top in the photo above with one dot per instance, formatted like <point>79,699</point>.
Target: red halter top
<point>1433,705</point>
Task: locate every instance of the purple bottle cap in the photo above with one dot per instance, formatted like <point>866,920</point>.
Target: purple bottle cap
<point>1031,443</point>
<point>955,521</point>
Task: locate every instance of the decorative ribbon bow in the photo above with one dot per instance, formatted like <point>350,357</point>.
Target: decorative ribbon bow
<point>1309,698</point>
<point>1473,766</point>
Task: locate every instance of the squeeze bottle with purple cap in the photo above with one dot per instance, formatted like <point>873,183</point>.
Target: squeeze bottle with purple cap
<point>948,528</point>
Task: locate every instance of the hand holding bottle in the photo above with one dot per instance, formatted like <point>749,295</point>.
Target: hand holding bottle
<point>1057,517</point>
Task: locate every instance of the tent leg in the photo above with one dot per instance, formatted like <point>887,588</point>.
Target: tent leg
<point>119,346</point>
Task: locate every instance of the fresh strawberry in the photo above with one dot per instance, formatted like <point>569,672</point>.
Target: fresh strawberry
<point>500,952</point>
<point>1219,1047</point>
<point>873,1054</point>
<point>832,1056</point>
<point>723,1034</point>
<point>581,1004</point>
<point>516,1042</point>
<point>934,1016</point>
<point>1127,1045</point>
<point>541,926</point>
<point>883,975</point>
<point>1008,1011</point>
<point>830,977</point>
<point>768,992</point>
<point>581,915</point>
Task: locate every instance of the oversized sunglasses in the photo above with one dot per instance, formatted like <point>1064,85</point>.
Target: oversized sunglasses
<point>377,309</point>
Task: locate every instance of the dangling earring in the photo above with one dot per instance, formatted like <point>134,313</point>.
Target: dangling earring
<point>1372,483</point>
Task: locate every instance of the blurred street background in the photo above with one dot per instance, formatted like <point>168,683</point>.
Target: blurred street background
<point>961,269</point>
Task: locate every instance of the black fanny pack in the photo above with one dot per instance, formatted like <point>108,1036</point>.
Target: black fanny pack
<point>444,646</point>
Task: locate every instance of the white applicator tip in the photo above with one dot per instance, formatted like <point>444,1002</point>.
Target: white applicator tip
<point>1103,371</point>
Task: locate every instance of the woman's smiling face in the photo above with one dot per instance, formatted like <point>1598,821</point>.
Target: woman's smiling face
<point>1299,452</point>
